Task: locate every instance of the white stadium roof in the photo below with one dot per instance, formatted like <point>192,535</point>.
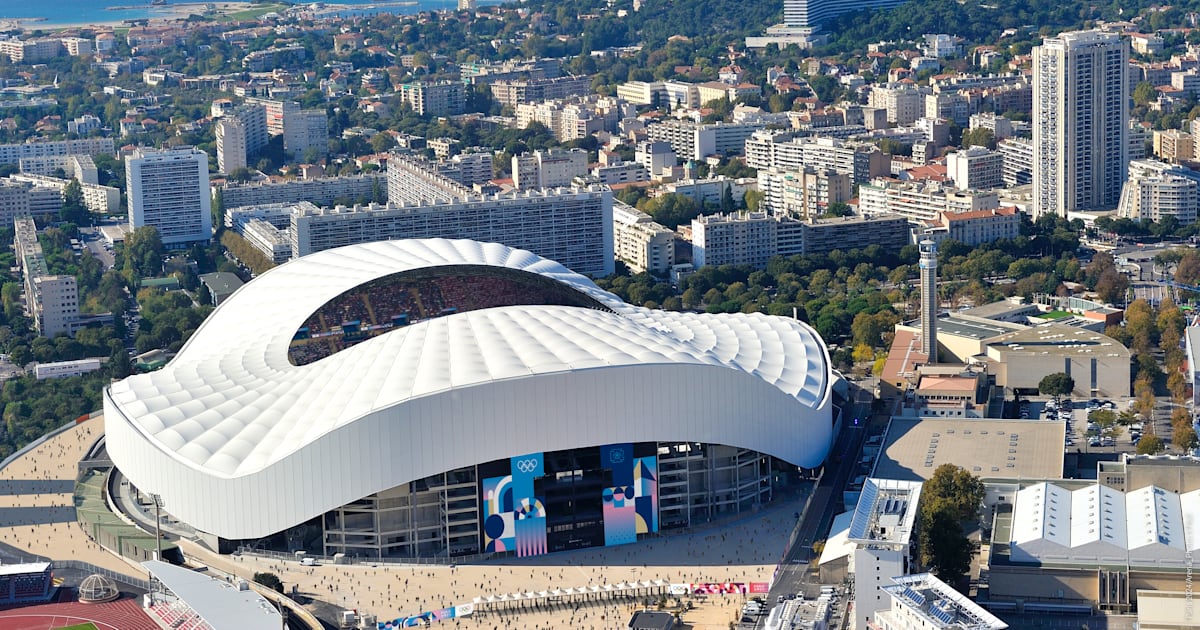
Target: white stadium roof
<point>232,418</point>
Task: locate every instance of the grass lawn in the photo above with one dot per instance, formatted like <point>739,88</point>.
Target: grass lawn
<point>1054,315</point>
<point>81,626</point>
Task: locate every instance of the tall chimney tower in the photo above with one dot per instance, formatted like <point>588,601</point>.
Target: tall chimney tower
<point>929,301</point>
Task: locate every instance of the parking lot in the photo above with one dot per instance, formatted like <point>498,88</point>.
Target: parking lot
<point>1082,434</point>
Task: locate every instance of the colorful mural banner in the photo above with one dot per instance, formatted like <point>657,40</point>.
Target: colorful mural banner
<point>720,588</point>
<point>515,517</point>
<point>425,618</point>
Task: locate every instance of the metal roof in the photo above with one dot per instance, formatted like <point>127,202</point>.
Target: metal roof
<point>219,603</point>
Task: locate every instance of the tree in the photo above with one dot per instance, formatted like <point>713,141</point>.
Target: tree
<point>1184,438</point>
<point>73,209</point>
<point>269,580</point>
<point>1058,384</point>
<point>1150,445</point>
<point>119,365</point>
<point>944,548</point>
<point>961,491</point>
<point>1106,422</point>
<point>979,137</point>
<point>1144,93</point>
<point>143,252</point>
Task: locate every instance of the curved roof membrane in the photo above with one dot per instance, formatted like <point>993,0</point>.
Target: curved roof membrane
<point>231,418</point>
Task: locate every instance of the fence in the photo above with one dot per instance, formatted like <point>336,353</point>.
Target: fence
<point>88,567</point>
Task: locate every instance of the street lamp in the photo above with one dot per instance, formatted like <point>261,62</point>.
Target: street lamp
<point>157,525</point>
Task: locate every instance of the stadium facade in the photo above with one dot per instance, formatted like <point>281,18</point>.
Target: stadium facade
<point>433,397</point>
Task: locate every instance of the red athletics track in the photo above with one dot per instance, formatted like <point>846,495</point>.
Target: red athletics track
<point>123,614</point>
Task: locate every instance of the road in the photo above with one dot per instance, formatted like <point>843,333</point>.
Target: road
<point>826,502</point>
<point>95,244</point>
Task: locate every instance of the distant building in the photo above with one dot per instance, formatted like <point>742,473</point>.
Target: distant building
<point>445,98</point>
<point>975,168</point>
<point>240,133</point>
<point>1079,135</point>
<point>860,160</point>
<point>13,153</point>
<point>640,243</point>
<point>1156,190</point>
<point>168,189</point>
<point>61,369</point>
<point>976,227</point>
<point>753,238</point>
<point>802,194</point>
<point>693,141</point>
<point>52,302</point>
<point>321,191</point>
<point>548,169</point>
<point>515,92</point>
<point>1016,156</point>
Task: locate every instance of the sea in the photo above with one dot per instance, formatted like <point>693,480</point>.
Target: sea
<point>85,11</point>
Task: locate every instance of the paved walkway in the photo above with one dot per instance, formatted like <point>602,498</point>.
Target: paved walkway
<point>745,550</point>
<point>37,513</point>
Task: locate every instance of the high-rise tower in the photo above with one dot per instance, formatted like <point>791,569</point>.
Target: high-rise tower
<point>929,301</point>
<point>1080,114</point>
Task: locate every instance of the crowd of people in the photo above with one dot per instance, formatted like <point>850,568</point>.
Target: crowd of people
<point>378,305</point>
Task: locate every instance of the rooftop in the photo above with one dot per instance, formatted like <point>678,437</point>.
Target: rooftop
<point>948,382</point>
<point>939,605</point>
<point>904,356</point>
<point>990,448</point>
<point>959,327</point>
<point>995,309</point>
<point>1058,340</point>
<point>217,602</point>
<point>886,512</point>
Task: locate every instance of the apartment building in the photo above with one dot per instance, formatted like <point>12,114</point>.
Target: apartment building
<point>52,302</point>
<point>802,194</point>
<point>168,189</point>
<point>321,191</point>
<point>975,168</point>
<point>441,98</point>
<point>553,168</point>
<point>639,242</point>
<point>14,153</point>
<point>1156,190</point>
<point>694,141</point>
<point>860,160</point>
<point>515,92</point>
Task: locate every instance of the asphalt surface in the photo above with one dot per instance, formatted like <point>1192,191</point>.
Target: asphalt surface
<point>826,503</point>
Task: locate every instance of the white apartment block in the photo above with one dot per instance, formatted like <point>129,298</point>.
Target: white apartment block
<point>548,169</point>
<point>1187,81</point>
<point>277,113</point>
<point>620,173</point>
<point>1080,121</point>
<point>573,226</point>
<point>656,157</point>
<point>321,191</point>
<point>710,190</point>
<point>413,180</point>
<point>923,602</point>
<point>80,167</point>
<point>168,189</point>
<point>920,202</point>
<point>306,129</point>
<point>883,532</point>
<point>14,153</point>
<point>514,92</point>
<point>468,169</point>
<point>1156,190</point>
<point>1000,126</point>
<point>745,239</point>
<point>904,103</point>
<point>642,244</point>
<point>248,134</point>
<point>975,168</point>
<point>860,160</point>
<point>20,198</point>
<point>692,141</point>
<point>97,198</point>
<point>1017,161</point>
<point>51,301</point>
<point>444,98</point>
<point>948,105</point>
<point>84,125</point>
<point>753,238</point>
<point>802,194</point>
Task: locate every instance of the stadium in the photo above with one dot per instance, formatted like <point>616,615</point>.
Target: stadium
<point>447,397</point>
